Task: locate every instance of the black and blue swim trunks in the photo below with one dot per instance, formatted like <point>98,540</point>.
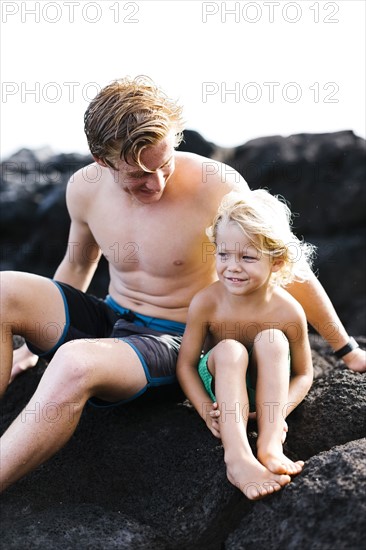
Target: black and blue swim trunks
<point>156,341</point>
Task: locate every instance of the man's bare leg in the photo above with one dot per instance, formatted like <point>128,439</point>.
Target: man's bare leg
<point>31,306</point>
<point>228,363</point>
<point>321,314</point>
<point>106,368</point>
<point>270,354</point>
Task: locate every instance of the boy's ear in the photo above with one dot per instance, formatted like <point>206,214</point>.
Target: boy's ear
<point>277,265</point>
<point>99,161</point>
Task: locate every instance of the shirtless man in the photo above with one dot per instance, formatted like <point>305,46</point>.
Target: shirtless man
<point>144,207</point>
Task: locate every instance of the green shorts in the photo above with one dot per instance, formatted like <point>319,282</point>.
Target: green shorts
<point>207,378</point>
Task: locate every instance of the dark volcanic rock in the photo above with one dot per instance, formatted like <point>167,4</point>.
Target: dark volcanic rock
<point>321,175</point>
<point>324,508</point>
<point>150,475</point>
<point>333,413</point>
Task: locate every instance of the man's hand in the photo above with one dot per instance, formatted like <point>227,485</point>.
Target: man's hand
<point>356,360</point>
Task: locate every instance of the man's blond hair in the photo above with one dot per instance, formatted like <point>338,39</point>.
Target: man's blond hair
<point>266,221</point>
<point>127,116</point>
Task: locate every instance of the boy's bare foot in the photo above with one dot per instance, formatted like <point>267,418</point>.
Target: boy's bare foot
<point>278,463</point>
<point>23,359</point>
<point>253,479</point>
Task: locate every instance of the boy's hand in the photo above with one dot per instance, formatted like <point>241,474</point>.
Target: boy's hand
<point>213,421</point>
<point>214,426</point>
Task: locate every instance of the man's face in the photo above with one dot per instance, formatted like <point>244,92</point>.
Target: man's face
<point>148,187</point>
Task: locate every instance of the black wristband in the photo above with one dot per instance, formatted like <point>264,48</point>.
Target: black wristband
<point>352,344</point>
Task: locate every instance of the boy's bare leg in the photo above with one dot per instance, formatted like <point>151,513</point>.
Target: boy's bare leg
<point>31,306</point>
<point>270,354</point>
<point>109,369</point>
<point>228,363</point>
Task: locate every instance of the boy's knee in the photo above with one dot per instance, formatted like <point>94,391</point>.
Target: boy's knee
<point>230,352</point>
<point>271,338</point>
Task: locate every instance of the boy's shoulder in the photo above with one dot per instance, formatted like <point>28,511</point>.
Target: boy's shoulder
<point>206,298</point>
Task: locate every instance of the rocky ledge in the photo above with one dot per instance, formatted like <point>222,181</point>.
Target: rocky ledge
<point>151,476</point>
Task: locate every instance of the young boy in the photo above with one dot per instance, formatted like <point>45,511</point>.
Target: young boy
<point>255,336</point>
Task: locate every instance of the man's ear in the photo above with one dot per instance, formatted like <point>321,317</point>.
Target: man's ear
<point>277,265</point>
<point>99,161</point>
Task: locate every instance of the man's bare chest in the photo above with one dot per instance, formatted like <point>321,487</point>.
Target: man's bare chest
<point>155,241</point>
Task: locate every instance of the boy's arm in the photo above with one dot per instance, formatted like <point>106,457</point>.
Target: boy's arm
<point>301,360</point>
<point>83,253</point>
<point>322,316</point>
<point>188,359</point>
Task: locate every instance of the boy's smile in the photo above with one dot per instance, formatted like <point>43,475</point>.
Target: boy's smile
<point>240,266</point>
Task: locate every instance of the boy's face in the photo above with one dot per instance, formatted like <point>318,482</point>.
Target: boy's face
<point>241,268</point>
<point>147,187</point>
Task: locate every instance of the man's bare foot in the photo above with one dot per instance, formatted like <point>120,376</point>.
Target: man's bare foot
<point>255,480</point>
<point>356,360</point>
<point>23,359</point>
<point>284,433</point>
<point>277,462</point>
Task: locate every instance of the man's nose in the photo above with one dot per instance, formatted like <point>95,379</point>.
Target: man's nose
<point>156,181</point>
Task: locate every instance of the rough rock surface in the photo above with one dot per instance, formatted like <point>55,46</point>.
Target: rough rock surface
<point>149,475</point>
<point>323,508</point>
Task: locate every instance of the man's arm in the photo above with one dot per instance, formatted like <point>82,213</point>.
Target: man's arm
<point>321,314</point>
<point>302,372</point>
<point>83,253</point>
<point>78,265</point>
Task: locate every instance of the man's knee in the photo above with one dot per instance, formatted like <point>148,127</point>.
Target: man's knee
<point>75,362</point>
<point>9,288</point>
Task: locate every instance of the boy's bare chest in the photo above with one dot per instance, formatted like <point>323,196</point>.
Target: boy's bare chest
<point>245,326</point>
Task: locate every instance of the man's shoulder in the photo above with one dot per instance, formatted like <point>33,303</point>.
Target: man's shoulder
<point>82,187</point>
<point>91,173</point>
<point>288,305</point>
<point>209,172</point>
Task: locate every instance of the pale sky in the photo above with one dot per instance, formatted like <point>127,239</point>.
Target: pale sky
<point>241,69</point>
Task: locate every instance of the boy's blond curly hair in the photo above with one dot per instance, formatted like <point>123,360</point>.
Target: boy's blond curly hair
<point>266,221</point>
<point>127,116</point>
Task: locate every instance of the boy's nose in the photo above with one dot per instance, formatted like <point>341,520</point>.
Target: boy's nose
<point>234,266</point>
